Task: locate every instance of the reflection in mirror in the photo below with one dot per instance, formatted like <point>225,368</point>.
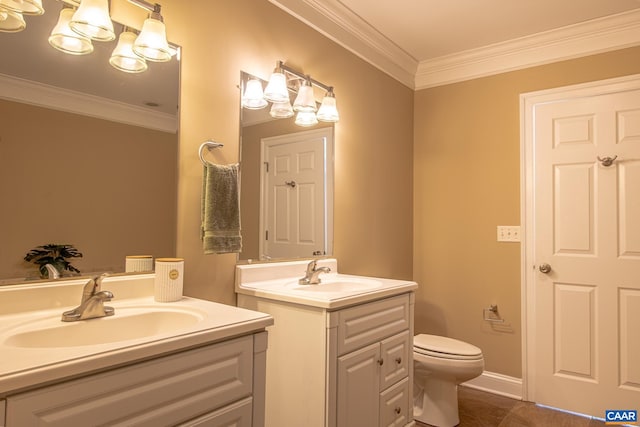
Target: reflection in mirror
<point>287,186</point>
<point>88,154</point>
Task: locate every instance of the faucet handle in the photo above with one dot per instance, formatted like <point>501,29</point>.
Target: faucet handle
<point>98,280</point>
<point>88,290</point>
<point>311,267</point>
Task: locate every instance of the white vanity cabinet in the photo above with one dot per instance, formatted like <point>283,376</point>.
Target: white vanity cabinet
<point>220,384</point>
<point>350,366</point>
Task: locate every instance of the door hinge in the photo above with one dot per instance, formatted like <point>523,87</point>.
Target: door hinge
<point>266,167</point>
<point>266,235</point>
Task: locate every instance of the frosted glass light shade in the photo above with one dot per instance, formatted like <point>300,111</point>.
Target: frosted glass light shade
<point>281,110</point>
<point>306,118</point>
<point>123,58</point>
<point>151,43</point>
<point>276,90</point>
<point>26,7</point>
<point>92,20</point>
<point>328,112</point>
<point>305,100</point>
<point>66,40</point>
<point>11,22</point>
<point>253,97</point>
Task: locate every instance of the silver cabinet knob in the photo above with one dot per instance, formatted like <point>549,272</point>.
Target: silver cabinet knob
<point>544,268</point>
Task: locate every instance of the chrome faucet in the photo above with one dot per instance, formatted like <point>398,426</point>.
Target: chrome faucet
<point>92,303</point>
<point>313,274</point>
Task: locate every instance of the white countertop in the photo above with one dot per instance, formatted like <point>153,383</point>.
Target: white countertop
<point>21,367</point>
<point>278,281</point>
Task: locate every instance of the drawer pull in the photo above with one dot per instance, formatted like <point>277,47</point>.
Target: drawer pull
<point>398,360</point>
<point>398,410</point>
<point>380,361</point>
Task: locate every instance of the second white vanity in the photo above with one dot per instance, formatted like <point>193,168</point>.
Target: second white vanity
<point>340,352</point>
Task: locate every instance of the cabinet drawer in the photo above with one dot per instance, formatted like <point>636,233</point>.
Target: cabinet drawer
<point>368,323</point>
<point>395,355</point>
<point>394,403</point>
<point>237,415</point>
<point>161,392</point>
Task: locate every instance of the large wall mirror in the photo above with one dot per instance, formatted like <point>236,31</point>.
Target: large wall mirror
<point>88,154</point>
<point>287,184</point>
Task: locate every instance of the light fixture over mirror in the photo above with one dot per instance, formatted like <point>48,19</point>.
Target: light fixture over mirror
<point>270,140</point>
<point>282,80</point>
<point>81,22</point>
<point>92,20</point>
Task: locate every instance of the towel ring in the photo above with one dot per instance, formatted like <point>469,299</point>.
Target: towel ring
<point>209,145</point>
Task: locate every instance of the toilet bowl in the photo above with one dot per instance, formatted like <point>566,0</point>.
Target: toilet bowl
<point>439,365</point>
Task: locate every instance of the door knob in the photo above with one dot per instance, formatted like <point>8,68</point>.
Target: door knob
<point>544,268</point>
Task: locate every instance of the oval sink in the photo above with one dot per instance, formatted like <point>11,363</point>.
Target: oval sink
<point>126,324</point>
<point>339,284</point>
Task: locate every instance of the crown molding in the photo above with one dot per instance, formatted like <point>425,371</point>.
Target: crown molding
<point>596,36</point>
<point>41,95</point>
<point>340,24</point>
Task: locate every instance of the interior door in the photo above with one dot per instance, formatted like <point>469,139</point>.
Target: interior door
<point>586,279</point>
<point>294,195</point>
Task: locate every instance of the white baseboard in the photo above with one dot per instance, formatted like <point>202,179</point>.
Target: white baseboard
<point>503,385</point>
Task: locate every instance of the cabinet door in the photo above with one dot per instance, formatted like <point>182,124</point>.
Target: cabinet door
<point>393,405</point>
<point>395,356</point>
<point>358,387</point>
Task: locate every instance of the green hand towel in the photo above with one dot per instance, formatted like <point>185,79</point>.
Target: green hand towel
<point>221,209</point>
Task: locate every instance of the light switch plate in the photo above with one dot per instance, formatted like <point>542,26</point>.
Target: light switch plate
<point>508,233</point>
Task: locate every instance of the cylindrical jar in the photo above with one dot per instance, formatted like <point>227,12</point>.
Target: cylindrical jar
<point>169,279</point>
<point>135,263</point>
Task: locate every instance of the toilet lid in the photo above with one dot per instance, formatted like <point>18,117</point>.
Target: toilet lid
<point>434,345</point>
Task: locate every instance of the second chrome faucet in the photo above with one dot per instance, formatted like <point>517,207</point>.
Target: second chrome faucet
<point>313,274</point>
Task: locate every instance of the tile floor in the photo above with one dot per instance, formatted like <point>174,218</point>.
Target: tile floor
<point>481,409</point>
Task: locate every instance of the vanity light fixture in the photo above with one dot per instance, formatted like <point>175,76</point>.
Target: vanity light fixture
<point>123,57</point>
<point>281,110</point>
<point>328,112</point>
<point>25,7</point>
<point>306,118</point>
<point>66,40</point>
<point>151,43</point>
<point>283,79</point>
<point>305,101</point>
<point>92,20</point>
<point>11,22</point>
<point>253,96</point>
<point>276,90</point>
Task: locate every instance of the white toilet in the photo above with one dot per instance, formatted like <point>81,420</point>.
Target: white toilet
<point>439,365</point>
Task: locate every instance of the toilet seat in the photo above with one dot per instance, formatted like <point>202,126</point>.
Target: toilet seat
<point>445,348</point>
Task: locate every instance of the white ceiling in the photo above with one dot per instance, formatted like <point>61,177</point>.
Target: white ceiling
<point>424,43</point>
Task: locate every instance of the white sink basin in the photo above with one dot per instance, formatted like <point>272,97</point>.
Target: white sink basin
<point>126,324</point>
<point>337,285</point>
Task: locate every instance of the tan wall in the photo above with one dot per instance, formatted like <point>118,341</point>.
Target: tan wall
<point>374,139</point>
<point>467,182</point>
<point>107,188</point>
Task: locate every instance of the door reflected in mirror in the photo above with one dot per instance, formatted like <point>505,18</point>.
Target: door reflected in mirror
<point>287,186</point>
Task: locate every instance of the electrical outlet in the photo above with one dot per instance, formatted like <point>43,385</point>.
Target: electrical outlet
<point>508,233</point>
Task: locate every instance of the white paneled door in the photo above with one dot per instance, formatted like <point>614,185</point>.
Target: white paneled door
<point>585,271</point>
<point>294,197</point>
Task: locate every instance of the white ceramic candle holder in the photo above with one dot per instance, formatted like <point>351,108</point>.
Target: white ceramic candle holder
<point>169,279</point>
